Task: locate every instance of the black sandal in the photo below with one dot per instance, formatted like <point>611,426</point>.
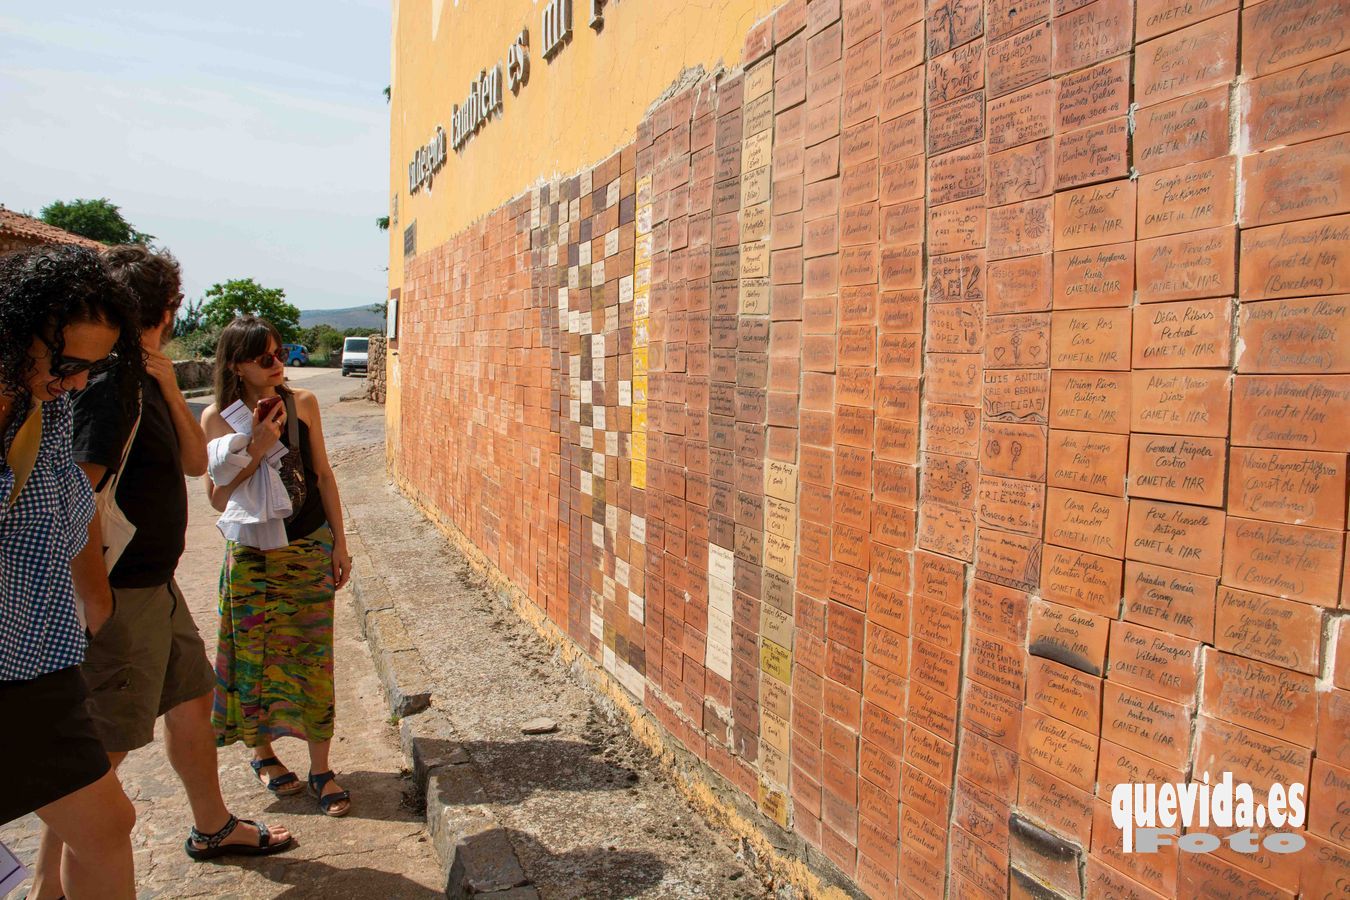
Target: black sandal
<point>316,786</point>
<point>215,846</point>
<point>276,785</point>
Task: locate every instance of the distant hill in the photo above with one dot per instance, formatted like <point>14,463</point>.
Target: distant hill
<point>342,319</point>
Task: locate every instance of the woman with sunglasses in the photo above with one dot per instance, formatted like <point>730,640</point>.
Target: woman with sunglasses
<point>61,316</point>
<point>274,662</point>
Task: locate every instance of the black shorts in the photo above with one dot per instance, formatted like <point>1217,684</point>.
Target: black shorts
<point>48,744</point>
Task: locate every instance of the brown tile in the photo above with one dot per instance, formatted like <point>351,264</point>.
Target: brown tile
<point>1185,130</point>
<point>1091,339</point>
<point>957,175</point>
<point>1020,60</point>
<point>1289,33</point>
<point>1085,580</point>
<point>1292,182</point>
<point>956,226</point>
<point>1198,57</point>
<point>1181,401</point>
<point>1175,535</point>
<point>1020,229</point>
<point>1090,401</point>
<point>1188,333</point>
<point>1083,461</point>
<point>1084,521</point>
<point>1003,17</point>
<point>1017,395</point>
<point>956,124</point>
<point>1092,33</point>
<point>1093,95</point>
<point>1193,264</point>
<point>1295,258</point>
<point>1284,633</point>
<point>1187,198</point>
<point>1099,214</point>
<point>1298,104</point>
<point>1154,661</point>
<point>1151,725</point>
<point>1021,285</point>
<point>1020,173</point>
<point>1265,698</point>
<point>1158,872</point>
<point>952,23</point>
<point>1095,153</point>
<point>1094,277</point>
<point>956,73</point>
<point>1059,748</point>
<point>1155,17</point>
<point>902,49</point>
<point>1290,561</point>
<point>1167,467</point>
<point>1292,411</point>
<point>1297,487</point>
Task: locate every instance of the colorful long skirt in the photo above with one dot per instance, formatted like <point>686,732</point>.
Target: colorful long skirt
<point>274,663</point>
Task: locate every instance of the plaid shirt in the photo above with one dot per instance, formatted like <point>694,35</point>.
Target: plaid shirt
<point>39,536</point>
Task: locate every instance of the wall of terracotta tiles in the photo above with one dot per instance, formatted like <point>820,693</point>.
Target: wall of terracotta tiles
<point>938,420</point>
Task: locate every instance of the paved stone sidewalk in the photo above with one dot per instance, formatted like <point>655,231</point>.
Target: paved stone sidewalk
<point>381,849</point>
<point>585,810</point>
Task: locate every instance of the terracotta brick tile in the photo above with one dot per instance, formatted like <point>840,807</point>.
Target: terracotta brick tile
<point>1102,880</point>
<point>992,715</point>
<point>1297,104</point>
<point>1158,870</point>
<point>987,765</point>
<point>953,23</point>
<point>1185,130</point>
<point>1093,95</point>
<point>984,867</point>
<point>1324,866</point>
<point>1294,258</point>
<point>1203,874</point>
<point>1193,59</point>
<point>1092,33</point>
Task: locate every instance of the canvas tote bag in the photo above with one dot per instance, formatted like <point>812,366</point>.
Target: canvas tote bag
<point>117,528</point>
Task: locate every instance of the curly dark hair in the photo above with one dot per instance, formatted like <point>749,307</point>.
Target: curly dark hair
<point>42,290</point>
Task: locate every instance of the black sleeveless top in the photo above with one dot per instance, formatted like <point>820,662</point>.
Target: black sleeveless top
<point>311,516</point>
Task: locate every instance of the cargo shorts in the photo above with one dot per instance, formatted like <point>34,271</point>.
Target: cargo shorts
<point>147,659</point>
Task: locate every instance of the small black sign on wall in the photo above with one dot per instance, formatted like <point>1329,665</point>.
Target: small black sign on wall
<point>410,240</point>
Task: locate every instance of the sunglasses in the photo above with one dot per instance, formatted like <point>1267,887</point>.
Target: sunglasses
<point>268,360</point>
<point>70,366</point>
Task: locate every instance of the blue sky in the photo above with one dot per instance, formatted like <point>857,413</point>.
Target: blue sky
<point>250,138</point>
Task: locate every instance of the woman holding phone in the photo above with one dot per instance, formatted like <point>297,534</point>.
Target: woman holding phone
<point>62,315</point>
<point>274,662</point>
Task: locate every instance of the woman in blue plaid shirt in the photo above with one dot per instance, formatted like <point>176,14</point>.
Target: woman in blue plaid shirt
<point>61,315</point>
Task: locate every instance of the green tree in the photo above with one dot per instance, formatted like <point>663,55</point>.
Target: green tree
<point>382,223</point>
<point>189,318</point>
<point>245,297</point>
<point>99,220</point>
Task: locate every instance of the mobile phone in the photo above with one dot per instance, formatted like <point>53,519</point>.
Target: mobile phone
<point>266,407</point>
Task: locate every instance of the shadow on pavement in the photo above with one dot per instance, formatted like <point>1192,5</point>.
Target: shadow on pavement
<point>380,796</point>
<point>595,873</point>
<point>511,771</point>
<point>311,878</point>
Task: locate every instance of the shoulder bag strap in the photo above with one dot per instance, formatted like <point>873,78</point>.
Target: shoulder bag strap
<point>293,431</point>
<point>110,481</point>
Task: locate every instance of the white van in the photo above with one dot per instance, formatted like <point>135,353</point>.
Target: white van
<point>355,355</point>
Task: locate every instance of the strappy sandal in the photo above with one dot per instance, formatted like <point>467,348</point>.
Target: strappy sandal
<point>284,785</point>
<point>316,786</point>
<point>216,846</point>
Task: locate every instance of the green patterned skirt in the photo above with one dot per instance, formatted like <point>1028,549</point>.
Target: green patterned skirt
<point>274,662</point>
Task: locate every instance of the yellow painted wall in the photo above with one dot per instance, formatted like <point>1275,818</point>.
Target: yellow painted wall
<point>573,112</point>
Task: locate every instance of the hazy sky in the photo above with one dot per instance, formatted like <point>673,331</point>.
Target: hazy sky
<point>250,138</point>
